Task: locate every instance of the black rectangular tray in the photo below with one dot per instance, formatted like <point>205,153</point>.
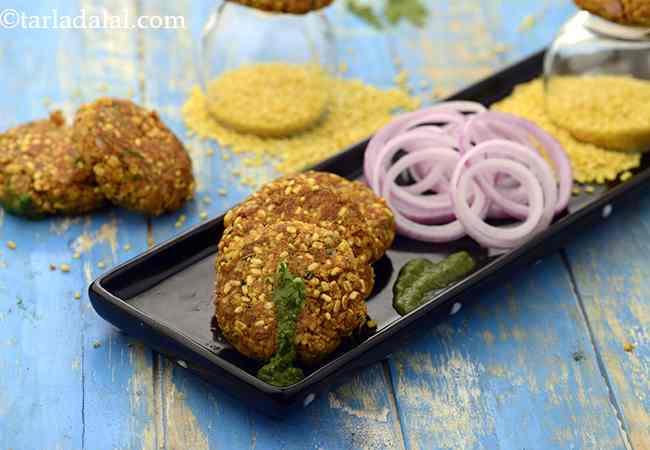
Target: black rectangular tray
<point>164,296</point>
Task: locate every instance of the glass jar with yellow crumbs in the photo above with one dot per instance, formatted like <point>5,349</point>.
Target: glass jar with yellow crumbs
<point>597,77</point>
<point>266,64</point>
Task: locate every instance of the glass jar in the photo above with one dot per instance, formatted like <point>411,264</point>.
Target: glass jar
<point>266,73</point>
<point>597,82</point>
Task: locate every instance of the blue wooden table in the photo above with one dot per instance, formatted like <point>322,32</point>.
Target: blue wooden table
<point>558,358</point>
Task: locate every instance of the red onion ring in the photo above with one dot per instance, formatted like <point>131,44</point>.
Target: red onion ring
<point>468,164</point>
<point>428,233</point>
<point>404,122</point>
<point>519,130</point>
<point>531,159</point>
<point>484,233</point>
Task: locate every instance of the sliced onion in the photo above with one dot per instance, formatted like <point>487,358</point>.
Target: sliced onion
<point>494,124</point>
<point>406,121</point>
<point>531,159</point>
<point>468,164</point>
<point>428,233</point>
<point>484,233</point>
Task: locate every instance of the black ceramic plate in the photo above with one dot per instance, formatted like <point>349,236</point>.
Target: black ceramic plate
<point>164,296</point>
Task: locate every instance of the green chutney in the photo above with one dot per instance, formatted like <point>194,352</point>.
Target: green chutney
<point>289,297</point>
<point>420,277</point>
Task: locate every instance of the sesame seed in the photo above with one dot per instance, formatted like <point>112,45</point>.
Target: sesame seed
<point>65,268</point>
<point>77,295</point>
<point>11,245</point>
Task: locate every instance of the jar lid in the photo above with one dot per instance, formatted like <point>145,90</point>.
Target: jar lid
<point>286,6</point>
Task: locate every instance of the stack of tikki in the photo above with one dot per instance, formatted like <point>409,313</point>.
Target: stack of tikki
<point>322,230</point>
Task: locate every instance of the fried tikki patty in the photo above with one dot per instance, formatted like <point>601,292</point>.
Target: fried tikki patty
<point>42,171</point>
<point>379,218</point>
<point>334,305</point>
<point>139,163</point>
<point>304,200</point>
<point>627,12</point>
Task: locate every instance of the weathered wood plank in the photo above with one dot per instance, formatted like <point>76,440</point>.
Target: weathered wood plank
<point>467,40</point>
<point>119,398</point>
<point>610,266</point>
<point>516,370</point>
<point>356,413</point>
<point>93,386</point>
<point>40,360</point>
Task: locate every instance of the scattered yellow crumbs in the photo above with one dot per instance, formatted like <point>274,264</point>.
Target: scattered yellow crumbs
<point>577,191</point>
<point>589,189</point>
<point>207,200</point>
<point>591,164</point>
<point>127,247</point>
<point>402,80</point>
<point>604,110</point>
<point>343,68</point>
<point>203,215</point>
<point>76,255</point>
<point>222,192</point>
<point>101,265</point>
<point>628,347</point>
<point>626,176</point>
<point>181,220</point>
<point>209,152</point>
<point>270,99</point>
<point>77,295</point>
<point>527,23</point>
<point>11,245</point>
<point>356,111</point>
<point>438,93</point>
<point>225,156</point>
<point>65,268</point>
<point>248,181</point>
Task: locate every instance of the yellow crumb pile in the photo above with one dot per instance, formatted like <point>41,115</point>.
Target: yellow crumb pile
<point>356,110</point>
<point>270,99</point>
<point>605,110</point>
<point>590,163</point>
